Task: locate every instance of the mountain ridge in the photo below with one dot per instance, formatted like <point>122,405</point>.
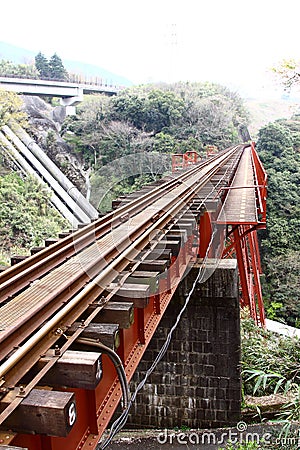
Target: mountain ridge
<point>262,111</point>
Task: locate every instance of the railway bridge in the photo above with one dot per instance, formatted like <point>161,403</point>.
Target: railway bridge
<point>144,297</point>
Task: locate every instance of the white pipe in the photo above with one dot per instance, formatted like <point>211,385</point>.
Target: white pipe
<point>55,172</point>
<point>26,167</point>
<point>63,195</point>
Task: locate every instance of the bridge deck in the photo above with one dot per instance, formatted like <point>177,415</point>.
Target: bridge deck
<point>54,88</point>
<point>240,204</point>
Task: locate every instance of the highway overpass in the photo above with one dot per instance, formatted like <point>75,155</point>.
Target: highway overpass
<point>70,93</point>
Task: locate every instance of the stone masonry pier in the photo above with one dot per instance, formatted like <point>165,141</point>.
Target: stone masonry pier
<point>198,382</point>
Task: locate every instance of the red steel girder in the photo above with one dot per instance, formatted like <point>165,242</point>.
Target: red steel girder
<point>249,265</point>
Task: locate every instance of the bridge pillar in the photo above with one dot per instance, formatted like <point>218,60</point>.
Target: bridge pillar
<point>70,102</point>
<point>198,383</point>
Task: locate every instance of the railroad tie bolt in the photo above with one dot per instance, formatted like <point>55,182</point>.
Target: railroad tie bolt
<point>21,390</point>
<point>102,300</point>
<point>3,390</point>
<point>56,350</point>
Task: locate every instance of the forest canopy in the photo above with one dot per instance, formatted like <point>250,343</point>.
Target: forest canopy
<point>162,118</point>
<point>139,128</point>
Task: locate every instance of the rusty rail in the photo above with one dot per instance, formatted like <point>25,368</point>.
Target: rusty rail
<point>121,241</point>
<point>21,275</point>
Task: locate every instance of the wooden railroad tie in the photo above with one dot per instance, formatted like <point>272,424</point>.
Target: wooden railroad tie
<point>42,412</point>
<point>74,369</point>
<point>120,313</point>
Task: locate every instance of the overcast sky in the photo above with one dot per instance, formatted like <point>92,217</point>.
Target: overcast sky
<point>234,42</point>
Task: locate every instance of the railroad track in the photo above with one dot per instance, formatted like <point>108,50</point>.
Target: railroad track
<point>17,277</point>
<point>74,280</point>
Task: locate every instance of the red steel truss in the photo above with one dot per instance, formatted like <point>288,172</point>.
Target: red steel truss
<point>183,160</point>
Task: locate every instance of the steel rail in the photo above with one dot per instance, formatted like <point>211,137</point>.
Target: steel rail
<point>14,336</point>
<point>19,276</point>
<point>39,342</point>
<point>28,322</point>
<point>25,357</point>
<point>107,275</point>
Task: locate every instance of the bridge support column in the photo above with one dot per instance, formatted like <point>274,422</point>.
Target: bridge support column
<point>198,383</point>
<point>70,102</point>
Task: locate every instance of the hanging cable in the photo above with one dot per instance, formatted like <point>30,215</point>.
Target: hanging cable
<point>121,421</point>
<point>116,360</point>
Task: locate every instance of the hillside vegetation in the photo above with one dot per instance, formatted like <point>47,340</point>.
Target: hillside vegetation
<point>162,118</point>
<point>26,214</point>
<point>279,148</point>
<point>26,217</point>
<point>127,139</point>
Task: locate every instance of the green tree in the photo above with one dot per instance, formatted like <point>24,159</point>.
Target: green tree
<point>26,217</point>
<point>42,65</point>
<point>9,69</point>
<point>129,106</point>
<point>212,114</point>
<point>280,242</point>
<point>151,111</point>
<point>100,139</point>
<point>287,72</point>
<point>164,143</point>
<point>56,68</point>
<point>11,108</point>
<point>273,140</point>
<point>162,110</point>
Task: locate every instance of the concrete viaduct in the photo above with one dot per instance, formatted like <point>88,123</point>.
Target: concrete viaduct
<point>70,93</point>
